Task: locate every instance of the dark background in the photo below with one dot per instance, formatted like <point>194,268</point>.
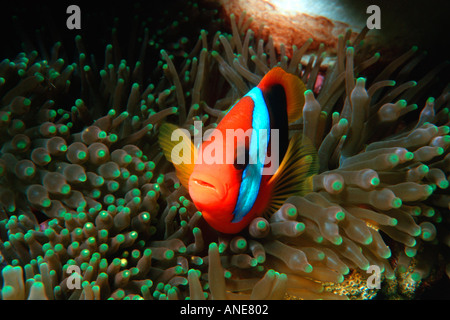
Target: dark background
<point>412,22</point>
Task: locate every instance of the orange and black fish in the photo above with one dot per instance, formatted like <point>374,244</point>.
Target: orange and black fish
<point>231,194</point>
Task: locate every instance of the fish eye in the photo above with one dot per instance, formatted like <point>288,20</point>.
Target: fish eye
<point>238,164</point>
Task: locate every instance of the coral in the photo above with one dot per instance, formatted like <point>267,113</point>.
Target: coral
<point>290,27</point>
<point>84,183</point>
<point>354,287</point>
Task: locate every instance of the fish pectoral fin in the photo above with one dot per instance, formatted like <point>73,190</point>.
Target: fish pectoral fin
<point>294,175</point>
<point>179,150</point>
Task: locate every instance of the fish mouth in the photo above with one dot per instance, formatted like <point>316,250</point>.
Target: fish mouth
<point>207,187</point>
<point>204,184</point>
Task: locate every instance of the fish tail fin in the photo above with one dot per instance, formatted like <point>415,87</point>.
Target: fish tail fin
<point>179,150</point>
<point>294,89</point>
<point>294,174</point>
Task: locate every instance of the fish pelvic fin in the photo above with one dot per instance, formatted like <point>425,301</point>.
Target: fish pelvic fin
<point>178,148</point>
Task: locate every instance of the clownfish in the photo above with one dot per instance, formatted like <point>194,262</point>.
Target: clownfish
<point>230,194</point>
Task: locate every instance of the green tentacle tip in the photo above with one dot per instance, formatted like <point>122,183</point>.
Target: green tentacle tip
<point>7,291</point>
<point>26,102</point>
<point>429,189</point>
<point>340,215</point>
<point>396,203</point>
<point>103,247</point>
<point>426,235</point>
<point>337,240</point>
<point>222,247</point>
<point>192,272</point>
<point>65,189</point>
<point>5,117</point>
<point>120,238</point>
<point>375,181</point>
<point>361,81</point>
<point>443,184</point>
<point>417,231</point>
<point>85,253</point>
<point>169,254</point>
<point>241,243</point>
<point>346,270</point>
<point>308,268</point>
<point>148,252</point>
<point>410,252</point>
<point>321,255</point>
<point>337,185</point>
<point>227,274</point>
<point>21,144</point>
<point>212,246</point>
<point>291,212</point>
<point>424,169</point>
<point>133,235</point>
<point>343,122</point>
<point>416,276</point>
<point>39,77</point>
<point>270,273</point>
<point>101,153</point>
<point>402,103</point>
<point>387,254</point>
<point>261,225</point>
<point>368,240</point>
<point>29,171</point>
<point>393,158</point>
<point>261,259</point>
<point>446,139</point>
<point>409,156</point>
<point>52,129</point>
<point>299,227</point>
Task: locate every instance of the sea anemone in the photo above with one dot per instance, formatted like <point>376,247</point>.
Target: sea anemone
<point>83,182</point>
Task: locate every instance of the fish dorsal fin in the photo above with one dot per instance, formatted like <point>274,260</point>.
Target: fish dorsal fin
<point>293,87</point>
<point>294,175</point>
<point>185,152</point>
